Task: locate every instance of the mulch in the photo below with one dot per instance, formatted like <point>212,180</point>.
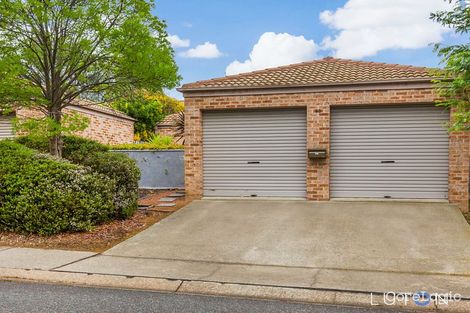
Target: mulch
<point>104,236</point>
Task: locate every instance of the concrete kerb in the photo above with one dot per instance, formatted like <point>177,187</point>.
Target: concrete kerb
<point>95,280</point>
<point>305,295</point>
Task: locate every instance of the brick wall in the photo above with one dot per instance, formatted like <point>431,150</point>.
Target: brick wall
<point>318,133</point>
<point>104,128</point>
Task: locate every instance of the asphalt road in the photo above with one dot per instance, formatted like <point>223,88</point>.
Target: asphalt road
<point>31,298</point>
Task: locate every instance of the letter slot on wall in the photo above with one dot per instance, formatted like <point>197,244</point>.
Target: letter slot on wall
<point>317,154</point>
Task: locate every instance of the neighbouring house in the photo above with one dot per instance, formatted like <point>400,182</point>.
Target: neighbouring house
<point>325,129</point>
<point>169,127</point>
<point>106,125</point>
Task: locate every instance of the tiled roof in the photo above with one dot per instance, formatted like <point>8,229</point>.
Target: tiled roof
<point>169,120</point>
<point>90,105</point>
<point>328,71</point>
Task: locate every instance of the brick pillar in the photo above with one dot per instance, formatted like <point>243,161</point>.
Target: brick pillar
<point>459,169</point>
<point>318,137</point>
<point>193,150</point>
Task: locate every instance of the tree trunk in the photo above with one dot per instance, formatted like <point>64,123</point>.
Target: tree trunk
<point>55,142</point>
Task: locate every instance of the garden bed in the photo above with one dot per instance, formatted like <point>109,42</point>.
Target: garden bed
<point>102,237</point>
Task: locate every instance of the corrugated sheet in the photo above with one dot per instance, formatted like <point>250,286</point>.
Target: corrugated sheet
<point>6,127</point>
<point>255,153</point>
<point>389,151</point>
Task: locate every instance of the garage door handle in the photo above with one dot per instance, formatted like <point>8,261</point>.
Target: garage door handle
<point>253,162</point>
<point>389,161</point>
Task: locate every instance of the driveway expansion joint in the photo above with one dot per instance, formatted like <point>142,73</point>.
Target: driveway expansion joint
<point>66,264</point>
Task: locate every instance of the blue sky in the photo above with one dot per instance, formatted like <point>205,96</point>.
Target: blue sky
<point>279,32</point>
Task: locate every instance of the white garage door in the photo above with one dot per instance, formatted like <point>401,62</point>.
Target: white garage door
<point>255,153</point>
<point>6,127</point>
<point>389,152</point>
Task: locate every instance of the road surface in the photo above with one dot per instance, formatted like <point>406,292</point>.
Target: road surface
<point>33,297</point>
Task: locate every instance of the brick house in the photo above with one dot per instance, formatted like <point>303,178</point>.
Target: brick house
<point>168,127</point>
<point>329,128</point>
<point>106,125</point>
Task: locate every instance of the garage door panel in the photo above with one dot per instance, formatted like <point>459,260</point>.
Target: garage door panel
<point>413,137</point>
<point>373,164</point>
<point>253,146</point>
<point>235,141</point>
<point>402,194</point>
<point>234,192</point>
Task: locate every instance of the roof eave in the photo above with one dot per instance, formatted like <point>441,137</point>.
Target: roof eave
<point>89,108</point>
<point>339,84</point>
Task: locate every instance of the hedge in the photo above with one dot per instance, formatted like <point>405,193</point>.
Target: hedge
<point>45,195</point>
<point>121,169</point>
<point>125,174</point>
<point>146,146</point>
<point>74,147</point>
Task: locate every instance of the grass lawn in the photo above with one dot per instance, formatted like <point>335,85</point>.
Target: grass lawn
<point>103,236</point>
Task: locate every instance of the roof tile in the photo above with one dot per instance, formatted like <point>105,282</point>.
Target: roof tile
<point>327,71</point>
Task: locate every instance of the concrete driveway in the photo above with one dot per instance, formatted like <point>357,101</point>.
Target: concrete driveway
<point>373,246</point>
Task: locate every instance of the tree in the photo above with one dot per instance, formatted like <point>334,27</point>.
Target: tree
<point>55,51</point>
<point>453,84</point>
<point>148,108</point>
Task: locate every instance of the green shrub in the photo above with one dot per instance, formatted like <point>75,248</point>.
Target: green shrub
<point>124,172</point>
<point>156,142</point>
<point>74,147</point>
<point>34,142</point>
<point>161,140</point>
<point>120,168</point>
<point>44,195</point>
<point>146,146</point>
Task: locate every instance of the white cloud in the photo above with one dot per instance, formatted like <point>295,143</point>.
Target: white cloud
<point>274,50</point>
<point>177,42</point>
<point>366,27</point>
<point>207,50</point>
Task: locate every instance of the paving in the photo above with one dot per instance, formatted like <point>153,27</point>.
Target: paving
<point>177,195</point>
<point>328,252</point>
<point>167,199</point>
<point>365,246</point>
<point>28,258</point>
<point>166,205</point>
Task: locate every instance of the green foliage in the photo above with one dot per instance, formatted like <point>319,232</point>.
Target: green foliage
<point>53,52</point>
<point>155,142</point>
<point>44,195</point>
<point>121,169</point>
<point>148,109</point>
<point>179,124</point>
<point>147,146</point>
<point>161,140</point>
<point>12,88</point>
<point>125,174</point>
<point>75,148</point>
<point>453,84</point>
<point>47,127</point>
